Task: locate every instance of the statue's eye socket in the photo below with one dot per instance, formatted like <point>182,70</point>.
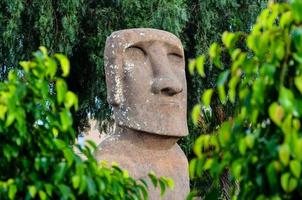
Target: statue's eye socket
<point>135,55</point>
<point>135,50</point>
<point>174,57</point>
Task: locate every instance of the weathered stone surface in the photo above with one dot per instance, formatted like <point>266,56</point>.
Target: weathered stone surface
<point>145,75</point>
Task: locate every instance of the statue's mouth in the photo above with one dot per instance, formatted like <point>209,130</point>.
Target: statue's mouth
<point>169,103</point>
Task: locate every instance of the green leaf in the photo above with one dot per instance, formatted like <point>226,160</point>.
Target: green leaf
<point>222,94</point>
<point>64,62</point>
<point>272,175</point>
<point>49,189</point>
<point>228,39</point>
<point>296,36</point>
<point>298,149</point>
<point>236,169</point>
<point>195,114</point>
<point>43,50</point>
<point>69,156</point>
<point>192,167</point>
<point>242,146</point>
<point>206,97</point>
<point>249,140</point>
<point>235,54</point>
<point>42,195</point>
<point>162,186</point>
<point>296,6</point>
<point>192,64</point>
<point>232,88</point>
<point>66,120</point>
<point>288,183</point>
<point>26,65</point>
<point>169,182</point>
<point>3,110</point>
<point>153,179</point>
<point>51,67</point>
<point>276,113</point>
<point>298,83</point>
<point>32,191</point>
<point>12,191</point>
<point>287,99</point>
<point>198,145</point>
<point>200,65</point>
<point>225,133</point>
<point>213,50</point>
<point>284,154</point>
<point>10,119</point>
<point>71,100</point>
<point>61,88</point>
<point>298,57</point>
<point>295,168</point>
<point>223,78</point>
<point>280,50</point>
<point>208,164</point>
<point>286,19</point>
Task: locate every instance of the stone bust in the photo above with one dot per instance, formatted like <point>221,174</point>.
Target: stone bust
<point>146,87</point>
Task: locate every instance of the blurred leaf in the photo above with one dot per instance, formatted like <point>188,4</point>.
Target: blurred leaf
<point>66,120</point>
<point>153,179</point>
<point>200,65</point>
<point>249,140</point>
<point>288,183</point>
<point>286,19</point>
<point>284,153</point>
<point>192,64</point>
<point>228,39</point>
<point>32,191</point>
<point>206,97</point>
<point>195,114</point>
<point>276,113</point>
<point>287,99</point>
<point>71,100</point>
<point>162,187</point>
<point>61,88</point>
<point>64,62</point>
<point>223,78</point>
<point>12,191</point>
<point>296,6</point>
<point>42,195</point>
<point>295,168</point>
<point>222,94</point>
<point>298,83</point>
<point>3,110</point>
<point>272,175</point>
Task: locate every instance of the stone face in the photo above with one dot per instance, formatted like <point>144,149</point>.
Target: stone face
<point>146,83</point>
<point>145,75</point>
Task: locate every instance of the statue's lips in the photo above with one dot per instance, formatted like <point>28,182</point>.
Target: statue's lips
<point>168,103</point>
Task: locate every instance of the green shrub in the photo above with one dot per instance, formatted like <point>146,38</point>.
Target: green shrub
<point>37,160</point>
<point>262,144</point>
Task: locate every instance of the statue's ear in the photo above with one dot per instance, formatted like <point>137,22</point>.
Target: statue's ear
<point>113,70</point>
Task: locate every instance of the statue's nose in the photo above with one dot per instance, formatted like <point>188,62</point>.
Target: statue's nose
<point>166,85</point>
<point>164,81</point>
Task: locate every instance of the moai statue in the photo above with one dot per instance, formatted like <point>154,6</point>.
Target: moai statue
<point>146,87</point>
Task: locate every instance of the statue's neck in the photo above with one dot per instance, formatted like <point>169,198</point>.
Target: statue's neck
<point>148,140</point>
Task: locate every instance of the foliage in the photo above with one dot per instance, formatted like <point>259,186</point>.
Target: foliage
<point>37,160</point>
<point>261,144</point>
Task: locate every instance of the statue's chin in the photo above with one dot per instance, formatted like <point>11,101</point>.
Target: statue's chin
<point>168,126</point>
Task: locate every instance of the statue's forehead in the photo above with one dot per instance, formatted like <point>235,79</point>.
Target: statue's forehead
<point>126,38</point>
